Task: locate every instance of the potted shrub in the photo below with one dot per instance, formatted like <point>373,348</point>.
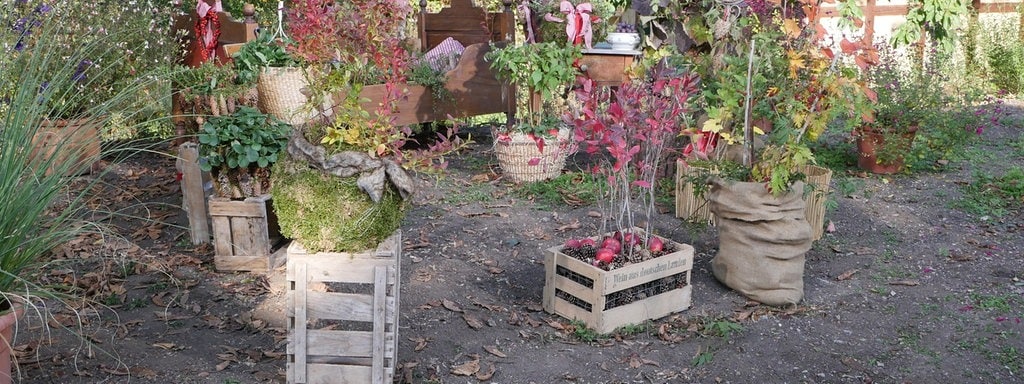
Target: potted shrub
<point>278,76</point>
<point>596,279</point>
<point>907,95</point>
<point>340,188</point>
<point>238,150</point>
<point>783,78</point>
<point>534,147</point>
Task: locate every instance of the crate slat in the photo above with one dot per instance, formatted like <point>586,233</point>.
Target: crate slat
<point>341,306</point>
<point>342,344</point>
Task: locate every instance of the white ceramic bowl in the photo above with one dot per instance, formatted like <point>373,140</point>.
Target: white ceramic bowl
<point>623,41</point>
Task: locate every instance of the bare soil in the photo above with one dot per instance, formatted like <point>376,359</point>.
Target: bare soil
<point>906,289</point>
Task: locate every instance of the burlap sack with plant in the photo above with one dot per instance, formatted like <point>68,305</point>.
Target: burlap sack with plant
<point>763,240</point>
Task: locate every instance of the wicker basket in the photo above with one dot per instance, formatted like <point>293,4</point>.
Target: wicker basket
<point>690,206</point>
<point>515,156</point>
<point>280,93</point>
<point>819,178</point>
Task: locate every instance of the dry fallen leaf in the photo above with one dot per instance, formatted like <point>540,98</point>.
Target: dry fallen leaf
<point>909,283</point>
<point>468,368</point>
<point>167,346</point>
<point>472,321</point>
<point>223,365</point>
<point>494,351</point>
<point>486,374</point>
<point>847,275</point>
<point>451,306</point>
<point>556,325</point>
<point>421,342</point>
<point>574,225</point>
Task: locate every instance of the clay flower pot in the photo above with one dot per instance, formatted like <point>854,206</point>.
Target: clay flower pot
<point>870,142</point>
<point>8,321</point>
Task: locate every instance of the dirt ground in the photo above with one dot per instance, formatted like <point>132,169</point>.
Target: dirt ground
<point>907,289</point>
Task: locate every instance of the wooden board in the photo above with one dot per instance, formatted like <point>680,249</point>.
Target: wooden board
<point>603,284</point>
<point>464,22</point>
<point>242,235</point>
<point>193,197</point>
<point>607,69</point>
<point>473,87</point>
<point>319,349</point>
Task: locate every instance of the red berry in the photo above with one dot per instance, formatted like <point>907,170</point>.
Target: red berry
<point>631,239</point>
<point>605,255</point>
<point>588,243</point>
<point>573,243</point>
<point>612,244</point>
<point>655,244</point>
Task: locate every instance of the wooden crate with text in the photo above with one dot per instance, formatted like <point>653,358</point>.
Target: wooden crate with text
<point>606,300</point>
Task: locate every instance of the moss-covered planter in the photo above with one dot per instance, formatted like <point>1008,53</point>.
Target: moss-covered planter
<point>326,213</point>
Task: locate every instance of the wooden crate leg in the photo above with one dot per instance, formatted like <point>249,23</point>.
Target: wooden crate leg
<point>380,289</point>
<point>299,332</point>
<point>193,198</point>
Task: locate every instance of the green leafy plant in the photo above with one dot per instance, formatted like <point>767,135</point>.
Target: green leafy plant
<point>542,69</point>
<point>102,48</point>
<point>258,54</point>
<point>770,89</point>
<point>247,143</point>
<point>938,19</point>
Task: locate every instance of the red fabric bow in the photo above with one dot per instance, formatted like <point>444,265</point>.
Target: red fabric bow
<point>207,28</point>
<point>578,22</point>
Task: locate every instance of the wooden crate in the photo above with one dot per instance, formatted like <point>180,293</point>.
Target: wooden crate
<point>689,206</point>
<point>244,232</point>
<point>71,146</point>
<point>576,290</point>
<point>349,333</point>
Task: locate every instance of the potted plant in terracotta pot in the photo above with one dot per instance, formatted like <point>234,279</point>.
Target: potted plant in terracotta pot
<point>535,146</point>
<point>798,88</point>
<point>907,94</point>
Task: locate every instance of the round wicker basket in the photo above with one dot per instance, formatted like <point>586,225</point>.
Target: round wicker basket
<point>280,94</point>
<point>522,161</point>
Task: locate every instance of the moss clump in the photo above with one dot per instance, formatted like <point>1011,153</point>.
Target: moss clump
<point>326,213</point>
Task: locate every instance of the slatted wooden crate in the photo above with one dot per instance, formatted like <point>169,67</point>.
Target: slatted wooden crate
<point>244,232</point>
<point>606,300</point>
<point>348,334</point>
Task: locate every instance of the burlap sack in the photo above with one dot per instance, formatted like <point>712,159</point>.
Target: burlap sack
<point>763,240</point>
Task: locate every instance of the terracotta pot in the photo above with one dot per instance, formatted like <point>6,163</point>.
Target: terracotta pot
<point>868,143</point>
<point>7,323</point>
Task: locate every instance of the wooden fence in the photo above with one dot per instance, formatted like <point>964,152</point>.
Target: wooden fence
<point>872,9</point>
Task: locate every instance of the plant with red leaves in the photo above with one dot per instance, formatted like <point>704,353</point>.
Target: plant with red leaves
<point>629,133</point>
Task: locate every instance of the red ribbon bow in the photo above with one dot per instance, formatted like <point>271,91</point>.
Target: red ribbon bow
<point>578,22</point>
<point>208,28</point>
